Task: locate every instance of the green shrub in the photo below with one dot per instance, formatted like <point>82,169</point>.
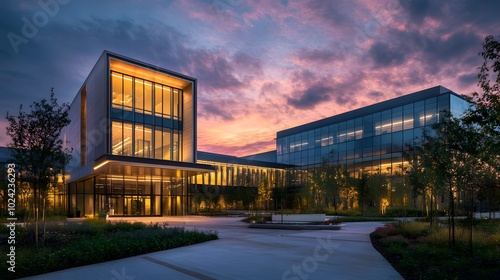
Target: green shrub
<point>341,212</point>
<point>414,229</point>
<point>411,212</point>
<point>418,251</point>
<point>74,244</point>
<point>257,219</point>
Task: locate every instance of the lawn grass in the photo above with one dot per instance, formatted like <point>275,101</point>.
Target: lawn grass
<point>72,244</point>
<point>418,251</point>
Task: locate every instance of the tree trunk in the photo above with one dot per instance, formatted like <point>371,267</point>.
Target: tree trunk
<point>35,198</point>
<point>431,215</point>
<point>44,222</point>
<point>452,218</point>
<point>471,218</point>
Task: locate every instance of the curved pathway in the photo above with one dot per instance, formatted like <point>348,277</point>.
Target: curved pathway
<point>247,253</point>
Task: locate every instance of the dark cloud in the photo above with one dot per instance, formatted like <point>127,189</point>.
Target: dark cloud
<point>418,10</point>
<point>452,14</point>
<point>384,55</point>
<point>336,14</point>
<point>248,63</point>
<point>458,46</point>
<point>213,71</point>
<point>213,110</point>
<point>467,80</point>
<point>375,94</point>
<point>225,109</point>
<point>269,89</point>
<point>321,56</point>
<point>311,97</point>
<point>304,76</point>
<point>427,49</point>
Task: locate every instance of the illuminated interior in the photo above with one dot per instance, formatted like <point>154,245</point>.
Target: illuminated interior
<point>374,142</point>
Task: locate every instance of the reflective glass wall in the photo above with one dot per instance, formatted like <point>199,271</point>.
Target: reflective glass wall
<point>370,142</point>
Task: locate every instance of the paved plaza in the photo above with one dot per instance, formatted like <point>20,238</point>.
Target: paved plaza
<point>247,253</point>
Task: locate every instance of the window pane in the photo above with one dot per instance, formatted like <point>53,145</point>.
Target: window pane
<point>158,143</point>
<point>166,101</point>
<point>397,123</point>
<point>419,118</point>
<point>127,139</point>
<point>166,145</point>
<point>430,114</point>
<point>158,100</point>
<point>175,146</point>
<point>127,92</point>
<point>139,97</point>
<point>116,89</point>
<point>117,140</point>
<point>148,97</point>
<point>408,119</point>
<point>147,141</point>
<point>177,104</point>
<point>139,141</point>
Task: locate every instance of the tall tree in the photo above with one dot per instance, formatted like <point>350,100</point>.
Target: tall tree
<point>485,112</point>
<point>37,147</point>
<point>486,109</point>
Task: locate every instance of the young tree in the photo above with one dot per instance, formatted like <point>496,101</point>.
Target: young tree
<point>362,188</point>
<point>265,193</point>
<point>37,147</point>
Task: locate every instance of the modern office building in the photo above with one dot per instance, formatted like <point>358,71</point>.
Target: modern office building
<point>133,137</point>
<point>371,138</point>
<point>133,141</point>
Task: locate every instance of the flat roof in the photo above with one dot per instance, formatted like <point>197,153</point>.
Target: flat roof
<point>205,156</point>
<point>370,109</point>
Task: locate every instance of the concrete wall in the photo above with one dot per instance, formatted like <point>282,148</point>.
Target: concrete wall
<point>298,218</point>
<point>189,124</point>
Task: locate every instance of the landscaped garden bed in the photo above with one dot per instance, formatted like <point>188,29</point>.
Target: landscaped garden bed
<point>419,251</point>
<point>72,244</point>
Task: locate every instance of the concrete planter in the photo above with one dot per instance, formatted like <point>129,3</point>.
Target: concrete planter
<point>298,218</point>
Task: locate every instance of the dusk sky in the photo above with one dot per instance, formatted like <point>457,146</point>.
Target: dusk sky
<point>262,66</point>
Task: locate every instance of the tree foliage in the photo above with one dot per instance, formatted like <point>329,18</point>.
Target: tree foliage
<point>36,142</point>
<point>36,145</point>
<point>486,110</point>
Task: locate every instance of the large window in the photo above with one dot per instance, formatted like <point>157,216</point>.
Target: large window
<point>117,90</point>
<point>142,96</point>
<point>153,130</point>
<point>137,140</point>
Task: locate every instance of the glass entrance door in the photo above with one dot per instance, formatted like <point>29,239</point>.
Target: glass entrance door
<point>137,205</point>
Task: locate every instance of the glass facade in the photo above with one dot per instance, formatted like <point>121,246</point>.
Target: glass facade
<point>368,142</point>
<point>239,175</point>
<point>146,118</point>
<point>236,181</point>
<point>122,195</point>
<point>133,124</point>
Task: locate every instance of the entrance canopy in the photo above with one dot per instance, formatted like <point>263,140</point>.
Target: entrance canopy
<point>135,166</point>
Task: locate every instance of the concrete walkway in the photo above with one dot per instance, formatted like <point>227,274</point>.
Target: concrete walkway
<point>248,253</point>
